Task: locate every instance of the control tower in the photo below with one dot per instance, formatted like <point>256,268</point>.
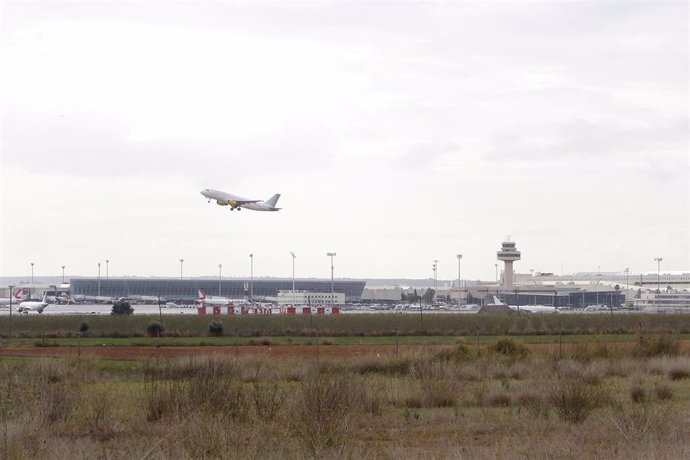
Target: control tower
<point>508,254</point>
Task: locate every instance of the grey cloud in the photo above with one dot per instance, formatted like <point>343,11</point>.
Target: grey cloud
<point>425,154</point>
<point>99,146</point>
<point>582,139</point>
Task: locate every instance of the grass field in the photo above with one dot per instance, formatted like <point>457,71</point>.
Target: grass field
<point>449,401</point>
<point>386,325</point>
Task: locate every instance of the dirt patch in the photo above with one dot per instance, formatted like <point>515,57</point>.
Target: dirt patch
<point>277,351</point>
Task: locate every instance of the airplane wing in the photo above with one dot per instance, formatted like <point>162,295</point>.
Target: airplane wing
<point>241,202</point>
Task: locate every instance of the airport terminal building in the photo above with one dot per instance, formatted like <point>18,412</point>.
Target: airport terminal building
<point>186,290</point>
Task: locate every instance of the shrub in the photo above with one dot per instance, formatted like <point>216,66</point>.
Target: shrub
<point>663,392</point>
<point>661,345</point>
<point>638,394</point>
<point>639,421</point>
<point>532,399</point>
<point>497,397</point>
<point>215,328</point>
<point>154,329</point>
<point>574,400</point>
<point>327,409</point>
<point>678,372</point>
<point>84,327</point>
<point>510,348</point>
<point>122,307</point>
<point>458,354</point>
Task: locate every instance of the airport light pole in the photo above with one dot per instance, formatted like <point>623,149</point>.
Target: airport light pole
<point>459,256</point>
<point>99,279</point>
<point>627,282</point>
<point>251,279</point>
<point>32,275</point>
<point>181,262</point>
<point>435,267</point>
<point>496,269</point>
<point>11,295</point>
<point>293,277</point>
<point>658,273</point>
<point>107,274</point>
<point>331,255</point>
<point>220,277</point>
<point>63,274</point>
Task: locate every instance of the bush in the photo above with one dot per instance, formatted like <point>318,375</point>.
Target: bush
<point>663,392</point>
<point>661,345</point>
<point>510,348</point>
<point>574,400</point>
<point>460,353</point>
<point>326,413</point>
<point>84,327</point>
<point>215,328</point>
<point>122,307</point>
<point>155,329</point>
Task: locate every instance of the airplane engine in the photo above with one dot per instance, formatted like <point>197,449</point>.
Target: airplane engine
<point>221,203</point>
<point>232,203</point>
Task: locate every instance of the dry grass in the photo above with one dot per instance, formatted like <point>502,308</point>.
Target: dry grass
<point>452,403</point>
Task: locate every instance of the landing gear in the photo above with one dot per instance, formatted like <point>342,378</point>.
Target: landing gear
<point>209,201</point>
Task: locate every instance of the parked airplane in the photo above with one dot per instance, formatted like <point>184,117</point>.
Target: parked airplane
<point>217,301</point>
<point>19,295</point>
<point>27,306</point>
<point>237,202</point>
<point>528,308</point>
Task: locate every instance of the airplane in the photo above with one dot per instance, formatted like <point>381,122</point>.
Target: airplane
<point>237,202</point>
<point>19,295</point>
<point>217,301</point>
<point>27,306</point>
<point>528,308</point>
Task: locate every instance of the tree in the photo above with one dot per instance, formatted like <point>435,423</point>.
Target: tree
<point>403,297</point>
<point>215,328</point>
<point>122,307</point>
<point>155,329</point>
<point>429,295</point>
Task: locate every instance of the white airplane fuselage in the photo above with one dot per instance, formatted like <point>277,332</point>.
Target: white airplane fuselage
<point>26,307</point>
<point>238,202</point>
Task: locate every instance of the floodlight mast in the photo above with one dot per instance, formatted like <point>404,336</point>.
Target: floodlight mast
<point>459,256</point>
<point>331,255</point>
<point>293,277</point>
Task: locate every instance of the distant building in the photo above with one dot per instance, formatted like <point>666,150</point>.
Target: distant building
<point>664,301</point>
<point>186,290</point>
<point>289,297</point>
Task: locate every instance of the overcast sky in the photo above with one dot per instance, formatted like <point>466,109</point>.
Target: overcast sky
<point>396,132</point>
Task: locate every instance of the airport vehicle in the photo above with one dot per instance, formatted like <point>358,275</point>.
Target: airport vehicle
<point>207,300</point>
<point>146,299</point>
<point>19,295</point>
<point>238,202</point>
<point>528,308</point>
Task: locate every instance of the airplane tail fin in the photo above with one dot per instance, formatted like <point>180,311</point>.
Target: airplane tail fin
<point>273,200</point>
<point>497,301</point>
<point>21,294</point>
<point>202,294</point>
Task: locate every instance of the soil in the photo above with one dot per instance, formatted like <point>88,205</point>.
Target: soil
<point>277,351</point>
